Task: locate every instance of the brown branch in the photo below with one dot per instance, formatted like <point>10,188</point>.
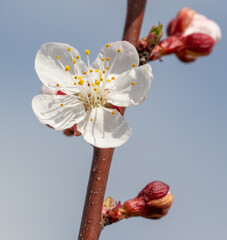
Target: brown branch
<point>134,21</point>
<point>91,223</point>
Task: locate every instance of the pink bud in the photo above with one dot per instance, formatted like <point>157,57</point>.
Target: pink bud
<point>188,22</point>
<point>152,202</point>
<point>190,35</point>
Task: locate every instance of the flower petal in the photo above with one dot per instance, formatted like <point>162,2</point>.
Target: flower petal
<point>122,55</point>
<point>201,24</point>
<point>104,128</point>
<point>46,90</point>
<point>50,63</point>
<point>131,87</point>
<point>58,111</point>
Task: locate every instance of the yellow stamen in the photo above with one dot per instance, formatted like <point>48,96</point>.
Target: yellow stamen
<point>69,49</point>
<point>74,60</point>
<point>133,64</point>
<point>133,83</point>
<point>91,119</point>
<point>97,82</point>
<point>57,84</point>
<point>113,112</point>
<point>103,59</point>
<point>96,70</point>
<point>103,71</point>
<point>74,83</point>
<point>85,73</point>
<point>81,82</point>
<point>62,104</point>
<point>67,68</point>
<point>119,50</point>
<point>107,59</point>
<point>91,70</point>
<point>107,68</point>
<point>57,57</point>
<point>75,77</point>
<point>80,77</point>
<point>95,89</point>
<point>108,80</point>
<point>101,79</point>
<point>87,52</point>
<point>113,78</point>
<point>92,84</point>
<point>107,45</point>
<point>78,57</point>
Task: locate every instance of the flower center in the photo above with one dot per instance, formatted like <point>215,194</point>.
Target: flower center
<point>93,86</point>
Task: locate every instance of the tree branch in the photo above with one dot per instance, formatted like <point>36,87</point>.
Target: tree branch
<point>91,223</point>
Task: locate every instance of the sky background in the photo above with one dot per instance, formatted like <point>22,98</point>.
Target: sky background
<point>179,133</point>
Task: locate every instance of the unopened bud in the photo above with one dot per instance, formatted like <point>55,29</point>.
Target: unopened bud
<point>189,22</point>
<point>190,35</point>
<point>152,202</point>
<point>154,35</point>
<point>147,44</point>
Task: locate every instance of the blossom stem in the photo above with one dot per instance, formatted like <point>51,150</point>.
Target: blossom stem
<point>91,223</point>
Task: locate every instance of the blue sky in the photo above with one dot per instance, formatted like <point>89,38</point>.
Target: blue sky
<point>179,133</point>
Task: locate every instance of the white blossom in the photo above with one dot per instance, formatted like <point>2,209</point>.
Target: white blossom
<point>92,91</point>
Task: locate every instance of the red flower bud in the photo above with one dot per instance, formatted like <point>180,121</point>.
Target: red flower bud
<point>152,202</point>
<point>190,35</point>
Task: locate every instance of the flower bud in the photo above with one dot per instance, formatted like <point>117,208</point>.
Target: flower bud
<point>154,36</point>
<point>190,35</point>
<point>152,202</point>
